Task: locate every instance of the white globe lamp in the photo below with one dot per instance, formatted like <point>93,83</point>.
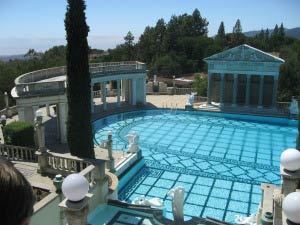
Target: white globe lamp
<point>75,187</point>
<point>290,159</point>
<point>291,207</point>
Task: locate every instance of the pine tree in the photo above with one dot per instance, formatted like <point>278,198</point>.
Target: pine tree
<point>221,30</point>
<point>267,34</point>
<point>275,31</point>
<point>281,31</point>
<point>129,38</point>
<point>237,29</point>
<point>79,127</point>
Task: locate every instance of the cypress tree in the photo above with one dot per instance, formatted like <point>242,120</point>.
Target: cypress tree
<point>281,30</point>
<point>237,27</point>
<point>79,127</point>
<point>275,31</point>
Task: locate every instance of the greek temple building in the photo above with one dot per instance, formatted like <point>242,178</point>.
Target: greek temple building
<point>243,76</point>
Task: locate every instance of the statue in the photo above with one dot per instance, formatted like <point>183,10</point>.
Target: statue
<point>191,98</point>
<point>251,220</point>
<point>133,140</point>
<point>154,202</point>
<point>177,195</point>
<point>294,106</point>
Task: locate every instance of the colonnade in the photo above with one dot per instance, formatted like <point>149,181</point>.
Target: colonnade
<point>132,91</point>
<point>235,88</point>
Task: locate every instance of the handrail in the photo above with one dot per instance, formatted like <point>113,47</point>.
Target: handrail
<point>17,153</point>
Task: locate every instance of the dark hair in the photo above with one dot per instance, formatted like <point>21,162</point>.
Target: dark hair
<point>16,195</point>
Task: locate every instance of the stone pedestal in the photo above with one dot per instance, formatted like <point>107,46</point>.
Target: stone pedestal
<point>76,212</point>
<point>290,180</point>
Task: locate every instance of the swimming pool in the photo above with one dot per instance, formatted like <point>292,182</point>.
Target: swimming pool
<point>220,159</point>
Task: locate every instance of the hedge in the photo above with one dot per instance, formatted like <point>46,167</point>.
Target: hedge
<point>19,134</point>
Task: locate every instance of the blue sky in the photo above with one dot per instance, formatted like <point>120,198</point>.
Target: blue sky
<point>39,24</point>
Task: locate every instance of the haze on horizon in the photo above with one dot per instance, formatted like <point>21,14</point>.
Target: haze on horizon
<point>40,24</point>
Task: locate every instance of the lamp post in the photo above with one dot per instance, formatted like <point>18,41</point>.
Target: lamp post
<point>75,188</point>
<point>289,170</point>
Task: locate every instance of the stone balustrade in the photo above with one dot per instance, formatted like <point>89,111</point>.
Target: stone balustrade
<point>55,163</point>
<point>50,81</point>
<point>184,91</point>
<point>17,153</point>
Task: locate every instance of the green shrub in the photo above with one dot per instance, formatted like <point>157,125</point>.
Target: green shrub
<point>19,133</point>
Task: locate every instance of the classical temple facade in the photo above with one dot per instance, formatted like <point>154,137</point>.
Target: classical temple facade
<point>243,76</point>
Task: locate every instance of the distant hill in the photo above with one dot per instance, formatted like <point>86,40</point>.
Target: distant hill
<point>6,58</point>
<point>293,32</point>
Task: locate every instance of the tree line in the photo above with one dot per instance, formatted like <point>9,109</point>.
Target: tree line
<point>175,47</point>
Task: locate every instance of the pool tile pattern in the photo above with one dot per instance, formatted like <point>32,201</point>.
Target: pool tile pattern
<point>219,161</point>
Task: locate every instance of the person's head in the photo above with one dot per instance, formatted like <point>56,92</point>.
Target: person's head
<point>16,196</point>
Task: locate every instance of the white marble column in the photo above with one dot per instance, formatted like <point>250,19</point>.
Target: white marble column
<point>133,92</point>
<point>248,83</point>
<point>261,91</point>
<point>145,91</point>
<point>235,89</point>
<point>63,108</point>
<point>209,87</point>
<point>92,98</point>
<point>103,90</point>
<point>123,89</point>
<point>274,94</point>
<point>118,93</point>
<point>57,122</point>
<point>222,75</point>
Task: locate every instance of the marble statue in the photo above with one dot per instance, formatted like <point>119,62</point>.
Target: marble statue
<point>154,202</point>
<point>133,140</point>
<point>191,98</point>
<point>251,220</point>
<point>177,195</point>
<point>294,106</point>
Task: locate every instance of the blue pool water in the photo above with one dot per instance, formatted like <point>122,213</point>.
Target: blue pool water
<point>220,159</point>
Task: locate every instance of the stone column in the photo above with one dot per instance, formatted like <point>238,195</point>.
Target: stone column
<point>222,75</point>
<point>76,212</point>
<point>21,114</point>
<point>235,89</point>
<point>290,180</point>
<point>274,97</point>
<point>123,89</point>
<point>92,98</point>
<point>6,100</point>
<point>57,122</point>
<point>209,87</point>
<point>118,93</point>
<point>261,91</point>
<point>247,100</point>
<point>103,89</point>
<point>133,92</point>
<point>63,122</point>
<point>145,91</point>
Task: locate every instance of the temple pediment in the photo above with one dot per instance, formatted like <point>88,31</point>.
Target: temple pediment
<point>244,53</point>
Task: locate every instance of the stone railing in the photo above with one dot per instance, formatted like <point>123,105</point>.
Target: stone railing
<point>11,111</point>
<point>100,69</point>
<point>183,91</point>
<point>110,93</point>
<point>17,153</point>
<point>36,83</point>
<point>55,163</point>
